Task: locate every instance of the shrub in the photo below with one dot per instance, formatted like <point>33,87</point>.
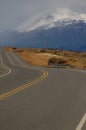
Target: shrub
<point>43,50</point>
<point>55,60</point>
<point>54,52</point>
<point>14,48</point>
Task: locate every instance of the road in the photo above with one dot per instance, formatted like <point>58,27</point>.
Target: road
<point>46,99</point>
<point>3,69</point>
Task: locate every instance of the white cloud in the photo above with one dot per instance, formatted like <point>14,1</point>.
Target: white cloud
<point>14,12</point>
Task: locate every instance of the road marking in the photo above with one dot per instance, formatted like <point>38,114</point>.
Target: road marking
<point>26,66</point>
<point>9,70</point>
<point>17,58</point>
<point>19,89</point>
<point>81,123</point>
<point>10,60</point>
<point>78,70</point>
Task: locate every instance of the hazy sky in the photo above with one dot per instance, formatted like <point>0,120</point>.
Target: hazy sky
<point>15,12</point>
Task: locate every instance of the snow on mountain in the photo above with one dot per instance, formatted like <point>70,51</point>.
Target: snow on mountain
<point>57,17</point>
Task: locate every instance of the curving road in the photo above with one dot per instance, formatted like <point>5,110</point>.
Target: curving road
<point>36,99</point>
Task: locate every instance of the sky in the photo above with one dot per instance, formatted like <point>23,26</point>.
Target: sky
<point>15,12</point>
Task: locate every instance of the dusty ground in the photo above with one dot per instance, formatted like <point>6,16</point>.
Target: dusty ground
<point>40,57</point>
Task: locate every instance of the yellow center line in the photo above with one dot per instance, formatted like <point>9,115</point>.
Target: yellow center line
<point>21,88</point>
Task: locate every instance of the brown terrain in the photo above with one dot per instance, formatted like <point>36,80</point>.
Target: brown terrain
<point>51,57</point>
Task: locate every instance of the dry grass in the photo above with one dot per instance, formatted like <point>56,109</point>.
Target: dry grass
<point>35,59</point>
<point>40,57</point>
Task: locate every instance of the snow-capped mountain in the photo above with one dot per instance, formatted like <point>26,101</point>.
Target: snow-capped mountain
<point>59,28</point>
<point>55,18</point>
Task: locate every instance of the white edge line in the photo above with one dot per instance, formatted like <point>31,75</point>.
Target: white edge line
<point>26,66</point>
<point>83,71</point>
<point>9,70</point>
<point>81,123</point>
<point>17,58</point>
<point>78,70</point>
<point>33,67</point>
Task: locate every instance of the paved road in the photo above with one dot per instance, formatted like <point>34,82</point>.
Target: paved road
<point>56,103</point>
<point>3,69</point>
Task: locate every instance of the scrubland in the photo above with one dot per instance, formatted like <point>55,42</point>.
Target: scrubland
<point>42,57</point>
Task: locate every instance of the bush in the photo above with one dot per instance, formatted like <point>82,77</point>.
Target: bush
<point>14,48</point>
<point>54,52</point>
<point>55,60</point>
<point>43,50</point>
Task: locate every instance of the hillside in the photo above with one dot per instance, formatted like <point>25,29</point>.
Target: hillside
<point>42,57</point>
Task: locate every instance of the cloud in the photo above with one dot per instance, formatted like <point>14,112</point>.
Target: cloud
<point>14,12</point>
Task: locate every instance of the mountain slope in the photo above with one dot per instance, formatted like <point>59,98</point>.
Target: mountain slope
<point>62,29</point>
<point>55,18</point>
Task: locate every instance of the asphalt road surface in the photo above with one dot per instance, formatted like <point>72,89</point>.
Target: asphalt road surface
<point>34,98</point>
<point>3,69</point>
